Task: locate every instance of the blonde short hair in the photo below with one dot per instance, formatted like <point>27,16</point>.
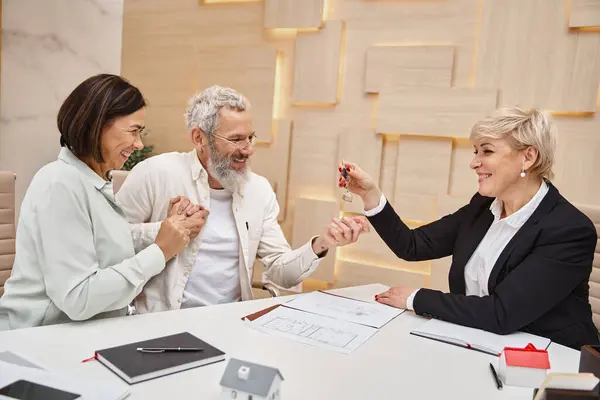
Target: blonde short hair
<point>522,129</point>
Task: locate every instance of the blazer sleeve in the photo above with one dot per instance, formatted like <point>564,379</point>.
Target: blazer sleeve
<point>560,261</point>
<point>432,241</point>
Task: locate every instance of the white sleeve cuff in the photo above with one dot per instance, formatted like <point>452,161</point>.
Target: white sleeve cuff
<point>376,210</point>
<point>410,299</point>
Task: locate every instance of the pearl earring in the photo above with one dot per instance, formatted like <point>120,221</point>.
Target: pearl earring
<point>523,173</point>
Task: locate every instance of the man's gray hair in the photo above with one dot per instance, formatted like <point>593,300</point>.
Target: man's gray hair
<point>203,107</point>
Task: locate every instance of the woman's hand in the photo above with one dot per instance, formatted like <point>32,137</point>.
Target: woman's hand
<point>360,183</point>
<point>173,236</point>
<point>395,296</point>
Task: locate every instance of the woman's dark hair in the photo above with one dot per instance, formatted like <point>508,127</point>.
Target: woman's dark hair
<point>91,107</point>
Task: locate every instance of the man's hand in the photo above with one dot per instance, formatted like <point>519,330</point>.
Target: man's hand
<point>340,233</point>
<point>396,296</point>
<point>181,205</point>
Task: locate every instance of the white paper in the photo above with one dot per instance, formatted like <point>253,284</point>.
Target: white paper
<point>314,330</point>
<point>88,389</point>
<point>480,338</point>
<point>343,308</point>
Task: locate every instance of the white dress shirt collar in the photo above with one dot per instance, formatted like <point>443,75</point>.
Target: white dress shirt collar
<point>68,157</point>
<point>517,219</point>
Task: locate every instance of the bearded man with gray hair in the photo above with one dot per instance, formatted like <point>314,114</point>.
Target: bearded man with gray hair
<point>231,211</point>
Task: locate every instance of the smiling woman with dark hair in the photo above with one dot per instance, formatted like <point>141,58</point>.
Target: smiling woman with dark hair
<point>75,255</point>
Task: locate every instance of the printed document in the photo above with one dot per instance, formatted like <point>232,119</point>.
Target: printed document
<point>313,329</point>
<point>345,309</point>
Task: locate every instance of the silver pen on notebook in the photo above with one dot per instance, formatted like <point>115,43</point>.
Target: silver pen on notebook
<point>168,349</point>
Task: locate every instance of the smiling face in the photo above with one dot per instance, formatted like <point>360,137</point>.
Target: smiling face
<point>497,165</point>
<point>121,138</point>
<point>227,153</point>
<point>230,143</point>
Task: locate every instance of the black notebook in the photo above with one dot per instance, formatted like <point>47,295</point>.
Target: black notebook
<point>134,366</point>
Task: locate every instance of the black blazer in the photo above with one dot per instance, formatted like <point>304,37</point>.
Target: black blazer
<point>539,283</point>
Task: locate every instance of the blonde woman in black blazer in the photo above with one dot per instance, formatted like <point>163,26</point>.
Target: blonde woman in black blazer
<point>522,254</point>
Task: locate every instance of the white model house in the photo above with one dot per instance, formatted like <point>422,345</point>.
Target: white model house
<point>524,367</point>
<point>243,380</point>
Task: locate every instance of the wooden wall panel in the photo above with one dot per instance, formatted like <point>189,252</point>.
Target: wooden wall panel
<point>293,13</point>
<point>251,71</point>
<point>392,66</point>
<point>350,273</point>
<point>431,111</point>
<point>584,13</point>
<point>352,148</point>
<point>311,216</point>
<point>463,180</point>
<point>526,51</point>
<point>318,58</point>
<point>577,161</point>
<point>423,165</point>
<point>313,165</point>
<point>272,162</point>
<point>389,166</point>
<point>370,249</point>
<point>419,72</point>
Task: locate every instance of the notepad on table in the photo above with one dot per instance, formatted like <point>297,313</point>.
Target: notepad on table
<point>134,366</point>
<point>478,339</point>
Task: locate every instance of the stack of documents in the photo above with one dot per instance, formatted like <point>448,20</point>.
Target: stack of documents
<point>325,320</point>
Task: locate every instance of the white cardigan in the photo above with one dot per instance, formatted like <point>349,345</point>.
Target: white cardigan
<point>145,195</point>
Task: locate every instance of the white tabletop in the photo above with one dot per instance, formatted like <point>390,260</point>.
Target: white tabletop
<point>393,364</point>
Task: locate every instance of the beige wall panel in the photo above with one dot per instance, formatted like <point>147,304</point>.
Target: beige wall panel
<point>350,273</point>
<point>391,66</point>
<point>577,161</point>
<point>389,166</point>
<point>272,162</point>
<point>313,164</point>
<point>404,23</point>
<point>463,180</point>
<point>311,216</point>
<point>526,51</point>
<point>352,148</point>
<point>248,69</point>
<point>293,13</point>
<point>584,13</point>
<point>522,49</point>
<point>431,111</point>
<point>423,165</point>
<point>415,206</point>
<point>318,58</point>
<point>371,249</point>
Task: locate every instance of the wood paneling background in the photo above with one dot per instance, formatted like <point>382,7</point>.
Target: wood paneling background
<point>392,85</point>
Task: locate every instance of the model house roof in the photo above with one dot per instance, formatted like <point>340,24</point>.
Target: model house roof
<point>528,357</point>
<point>248,377</point>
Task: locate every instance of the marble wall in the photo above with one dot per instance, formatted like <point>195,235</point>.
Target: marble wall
<point>48,48</point>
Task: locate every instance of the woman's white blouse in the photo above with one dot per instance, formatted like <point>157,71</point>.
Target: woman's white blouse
<point>75,255</point>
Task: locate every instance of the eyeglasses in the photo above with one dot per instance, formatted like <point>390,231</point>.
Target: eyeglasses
<point>141,132</point>
<point>239,143</point>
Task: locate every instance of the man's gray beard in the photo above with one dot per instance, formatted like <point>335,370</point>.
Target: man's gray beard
<point>218,167</point>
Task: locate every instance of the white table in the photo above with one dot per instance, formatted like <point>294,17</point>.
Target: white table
<point>391,365</point>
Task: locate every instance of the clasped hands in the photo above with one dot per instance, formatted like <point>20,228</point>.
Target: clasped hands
<point>187,215</point>
<point>189,219</point>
